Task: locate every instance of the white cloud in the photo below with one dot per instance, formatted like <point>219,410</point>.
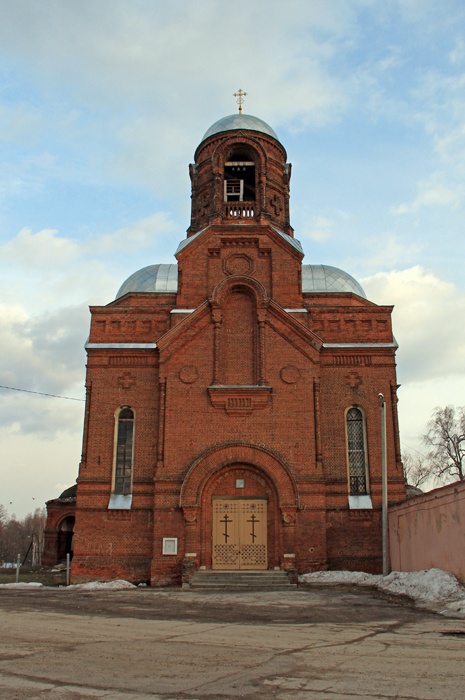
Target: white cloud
<point>428,322</point>
<point>385,251</point>
<point>64,271</point>
<point>33,467</point>
<point>433,194</point>
<point>428,325</point>
<point>45,281</point>
<point>417,399</point>
<point>165,55</point>
<point>320,230</point>
<point>36,249</point>
<point>457,55</point>
<point>138,235</point>
<point>19,122</point>
<point>43,354</point>
<point>450,144</point>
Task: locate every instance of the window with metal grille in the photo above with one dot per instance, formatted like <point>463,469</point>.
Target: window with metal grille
<point>124,452</point>
<point>356,452</point>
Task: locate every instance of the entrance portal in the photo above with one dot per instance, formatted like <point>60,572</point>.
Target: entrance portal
<point>239,534</point>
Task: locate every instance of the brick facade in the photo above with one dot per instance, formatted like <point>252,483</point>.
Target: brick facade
<point>241,373</point>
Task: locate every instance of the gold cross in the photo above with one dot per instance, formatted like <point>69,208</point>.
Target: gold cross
<point>240,98</point>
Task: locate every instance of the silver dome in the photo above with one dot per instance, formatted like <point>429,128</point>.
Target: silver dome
<point>315,278</point>
<point>325,278</point>
<point>153,278</point>
<point>237,122</point>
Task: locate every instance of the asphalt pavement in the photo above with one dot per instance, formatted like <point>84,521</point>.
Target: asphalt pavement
<point>312,642</point>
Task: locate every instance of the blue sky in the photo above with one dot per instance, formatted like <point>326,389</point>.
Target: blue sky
<point>102,105</point>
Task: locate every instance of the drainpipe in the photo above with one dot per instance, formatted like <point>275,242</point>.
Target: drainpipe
<point>384,510</point>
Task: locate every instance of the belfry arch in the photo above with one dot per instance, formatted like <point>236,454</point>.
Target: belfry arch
<point>240,174</point>
<point>238,169</point>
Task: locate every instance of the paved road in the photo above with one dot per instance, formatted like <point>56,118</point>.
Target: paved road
<point>318,643</point>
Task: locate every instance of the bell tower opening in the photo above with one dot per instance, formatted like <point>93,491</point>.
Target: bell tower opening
<point>239,176</point>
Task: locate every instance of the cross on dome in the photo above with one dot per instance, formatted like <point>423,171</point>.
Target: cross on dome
<point>240,98</point>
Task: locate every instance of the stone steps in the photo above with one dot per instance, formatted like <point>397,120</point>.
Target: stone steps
<point>240,580</point>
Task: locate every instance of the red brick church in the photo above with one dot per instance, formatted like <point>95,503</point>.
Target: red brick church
<point>232,417</point>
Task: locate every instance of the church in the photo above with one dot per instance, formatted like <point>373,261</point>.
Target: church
<point>232,417</point>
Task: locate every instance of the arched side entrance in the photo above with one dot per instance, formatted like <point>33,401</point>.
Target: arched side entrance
<point>65,538</point>
<point>239,505</point>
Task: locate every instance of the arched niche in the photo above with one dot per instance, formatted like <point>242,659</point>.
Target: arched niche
<point>239,306</point>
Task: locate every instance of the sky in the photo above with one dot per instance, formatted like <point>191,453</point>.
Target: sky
<point>102,105</point>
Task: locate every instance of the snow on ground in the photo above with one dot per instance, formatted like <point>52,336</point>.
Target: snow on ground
<point>32,584</point>
<point>432,588</point>
<point>117,585</point>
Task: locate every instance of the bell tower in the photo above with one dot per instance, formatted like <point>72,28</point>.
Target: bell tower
<point>240,225</point>
<point>240,176</point>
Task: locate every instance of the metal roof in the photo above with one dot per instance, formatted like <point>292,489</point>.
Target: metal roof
<point>153,278</point>
<point>236,122</point>
<point>325,278</point>
<point>315,278</point>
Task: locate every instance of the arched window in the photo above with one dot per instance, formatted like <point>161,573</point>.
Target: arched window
<point>124,452</point>
<point>356,452</point>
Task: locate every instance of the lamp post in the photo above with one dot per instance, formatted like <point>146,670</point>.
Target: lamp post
<point>384,510</point>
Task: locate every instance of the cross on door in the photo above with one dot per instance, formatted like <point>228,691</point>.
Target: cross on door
<point>239,534</point>
<point>253,520</point>
<point>226,520</point>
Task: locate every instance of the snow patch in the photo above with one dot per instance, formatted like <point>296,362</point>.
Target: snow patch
<point>456,606</point>
<point>430,588</point>
<point>117,585</point>
<point>338,577</point>
<point>31,584</point>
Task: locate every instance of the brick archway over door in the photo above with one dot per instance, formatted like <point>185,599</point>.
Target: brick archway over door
<point>221,459</point>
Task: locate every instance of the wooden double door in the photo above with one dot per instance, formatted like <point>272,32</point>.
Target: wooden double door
<point>239,534</point>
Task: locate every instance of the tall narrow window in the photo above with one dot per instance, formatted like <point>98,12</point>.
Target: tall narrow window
<point>124,452</point>
<point>356,452</point>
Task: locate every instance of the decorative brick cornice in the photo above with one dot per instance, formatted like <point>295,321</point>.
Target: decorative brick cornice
<point>239,400</point>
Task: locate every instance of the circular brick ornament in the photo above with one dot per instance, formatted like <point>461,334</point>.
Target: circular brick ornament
<point>238,264</point>
<point>188,374</point>
<point>290,374</point>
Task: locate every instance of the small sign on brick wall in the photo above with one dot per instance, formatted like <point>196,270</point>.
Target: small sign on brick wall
<point>170,545</point>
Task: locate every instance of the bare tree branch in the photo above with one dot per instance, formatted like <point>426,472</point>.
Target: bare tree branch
<point>445,438</point>
<point>417,469</point>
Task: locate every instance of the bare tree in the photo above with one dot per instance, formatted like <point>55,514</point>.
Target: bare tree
<point>23,537</point>
<point>417,469</point>
<point>33,526</point>
<point>445,439</point>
